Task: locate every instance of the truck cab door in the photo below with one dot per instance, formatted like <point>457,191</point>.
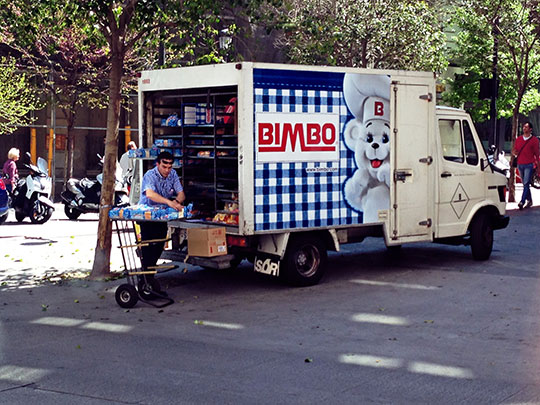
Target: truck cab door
<point>461,180</point>
<point>411,195</point>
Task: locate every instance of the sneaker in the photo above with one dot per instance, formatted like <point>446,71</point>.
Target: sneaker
<point>520,205</point>
<point>528,204</point>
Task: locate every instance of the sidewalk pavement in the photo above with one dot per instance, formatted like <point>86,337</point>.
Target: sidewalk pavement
<point>56,250</point>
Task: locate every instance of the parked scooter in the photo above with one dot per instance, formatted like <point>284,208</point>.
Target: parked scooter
<point>500,163</point>
<point>31,196</point>
<point>83,196</point>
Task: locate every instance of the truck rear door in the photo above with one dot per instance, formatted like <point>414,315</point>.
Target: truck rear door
<point>411,195</point>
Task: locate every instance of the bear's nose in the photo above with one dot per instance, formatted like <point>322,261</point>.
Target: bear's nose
<point>374,145</point>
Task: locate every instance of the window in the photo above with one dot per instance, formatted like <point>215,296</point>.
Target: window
<point>451,141</point>
<point>471,152</point>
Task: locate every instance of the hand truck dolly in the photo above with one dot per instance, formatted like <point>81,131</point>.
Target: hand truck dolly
<point>141,283</point>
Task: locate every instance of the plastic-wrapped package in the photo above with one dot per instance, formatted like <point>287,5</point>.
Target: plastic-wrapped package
<point>171,121</point>
<point>145,212</point>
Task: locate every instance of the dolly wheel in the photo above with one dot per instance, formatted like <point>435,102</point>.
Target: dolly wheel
<point>149,289</point>
<point>126,296</point>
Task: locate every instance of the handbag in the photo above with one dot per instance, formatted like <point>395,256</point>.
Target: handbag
<point>514,162</point>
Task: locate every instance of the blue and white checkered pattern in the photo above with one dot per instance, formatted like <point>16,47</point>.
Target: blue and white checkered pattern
<point>300,195</point>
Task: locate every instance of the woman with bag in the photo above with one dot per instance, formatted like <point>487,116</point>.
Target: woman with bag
<point>526,151</point>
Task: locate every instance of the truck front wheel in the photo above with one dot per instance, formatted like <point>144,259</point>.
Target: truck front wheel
<point>481,237</point>
<point>304,263</point>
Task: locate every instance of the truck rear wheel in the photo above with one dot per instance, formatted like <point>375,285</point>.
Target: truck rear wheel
<point>481,237</point>
<point>304,263</point>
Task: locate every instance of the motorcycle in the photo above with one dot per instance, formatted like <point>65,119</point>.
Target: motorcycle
<point>31,196</point>
<point>84,195</point>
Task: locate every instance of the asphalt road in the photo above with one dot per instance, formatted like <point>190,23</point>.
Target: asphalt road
<point>428,326</point>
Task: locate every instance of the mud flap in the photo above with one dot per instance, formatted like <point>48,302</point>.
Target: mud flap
<point>267,264</point>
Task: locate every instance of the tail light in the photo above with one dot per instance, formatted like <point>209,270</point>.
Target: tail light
<point>2,184</point>
<point>240,241</point>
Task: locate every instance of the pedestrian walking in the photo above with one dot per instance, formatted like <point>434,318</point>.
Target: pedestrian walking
<point>526,152</point>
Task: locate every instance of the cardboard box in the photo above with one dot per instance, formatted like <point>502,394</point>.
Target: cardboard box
<point>207,242</point>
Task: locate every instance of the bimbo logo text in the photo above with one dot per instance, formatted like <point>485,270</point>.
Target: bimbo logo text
<point>294,137</point>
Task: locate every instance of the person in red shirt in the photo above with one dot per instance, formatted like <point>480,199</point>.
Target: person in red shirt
<point>526,151</point>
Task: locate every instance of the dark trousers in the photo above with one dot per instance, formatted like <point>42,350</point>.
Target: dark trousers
<point>152,252</point>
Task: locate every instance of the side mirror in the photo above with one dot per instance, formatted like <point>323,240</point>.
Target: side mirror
<point>484,163</point>
<point>29,156</point>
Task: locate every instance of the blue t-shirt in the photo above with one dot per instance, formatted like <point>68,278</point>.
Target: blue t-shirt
<point>167,187</point>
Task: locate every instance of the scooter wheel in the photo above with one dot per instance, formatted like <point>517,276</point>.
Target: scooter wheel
<point>71,213</point>
<point>40,213</point>
<point>126,296</point>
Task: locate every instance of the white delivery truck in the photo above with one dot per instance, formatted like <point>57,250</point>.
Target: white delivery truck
<point>295,161</point>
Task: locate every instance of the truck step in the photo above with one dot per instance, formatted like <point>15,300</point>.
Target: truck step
<point>217,262</point>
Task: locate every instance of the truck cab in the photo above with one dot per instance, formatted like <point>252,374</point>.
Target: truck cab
<point>471,196</point>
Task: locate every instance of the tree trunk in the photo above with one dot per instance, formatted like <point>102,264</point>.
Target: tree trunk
<point>101,267</point>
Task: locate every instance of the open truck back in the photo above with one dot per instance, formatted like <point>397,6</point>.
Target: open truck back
<point>294,161</point>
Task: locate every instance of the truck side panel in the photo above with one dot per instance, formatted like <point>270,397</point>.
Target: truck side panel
<point>321,149</point>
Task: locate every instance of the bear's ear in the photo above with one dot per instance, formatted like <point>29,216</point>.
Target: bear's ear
<point>354,130</point>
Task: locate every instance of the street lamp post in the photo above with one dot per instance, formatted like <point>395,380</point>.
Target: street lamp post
<point>494,92</point>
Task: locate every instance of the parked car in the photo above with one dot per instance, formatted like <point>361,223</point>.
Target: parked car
<point>4,202</point>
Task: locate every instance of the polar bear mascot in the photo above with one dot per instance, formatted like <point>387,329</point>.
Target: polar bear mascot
<point>368,136</point>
